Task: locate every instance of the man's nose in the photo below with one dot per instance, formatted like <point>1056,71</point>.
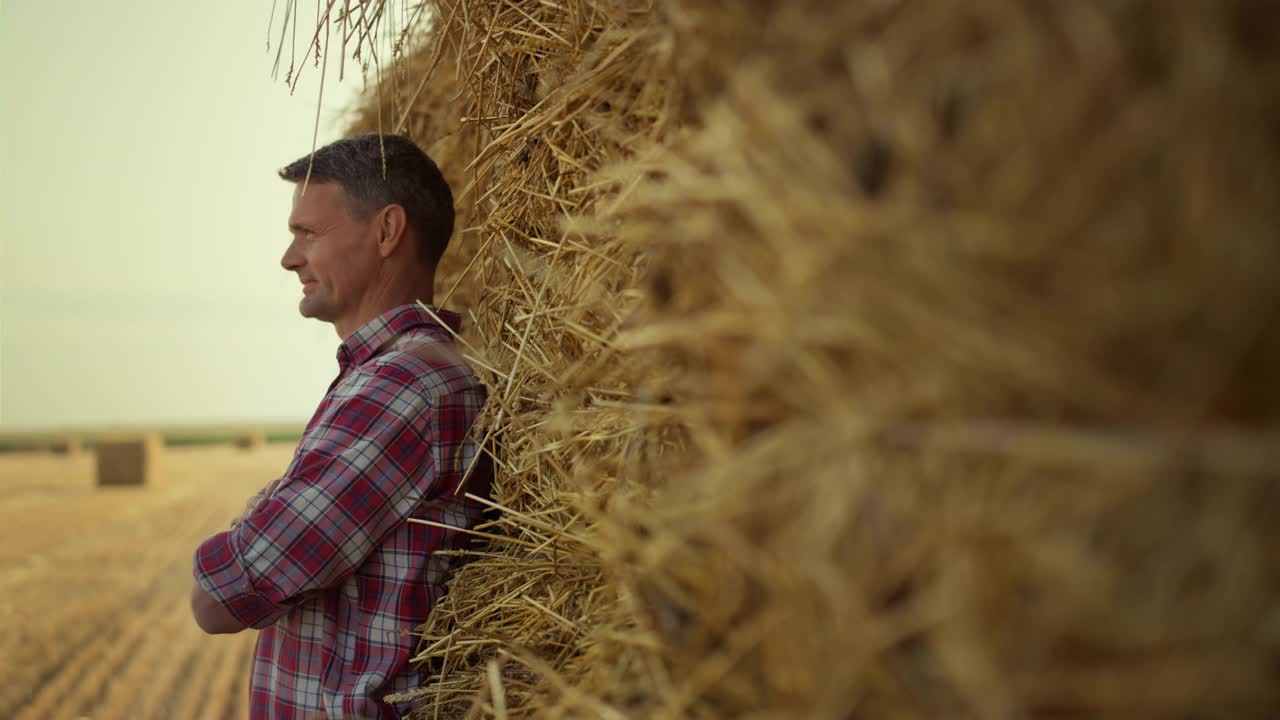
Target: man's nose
<point>292,259</point>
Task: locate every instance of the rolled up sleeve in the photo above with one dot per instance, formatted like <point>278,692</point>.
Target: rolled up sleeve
<point>358,474</point>
<point>221,574</point>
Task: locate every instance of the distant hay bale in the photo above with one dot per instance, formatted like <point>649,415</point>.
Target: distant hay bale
<point>250,439</point>
<point>69,445</point>
<point>863,360</point>
<point>129,459</point>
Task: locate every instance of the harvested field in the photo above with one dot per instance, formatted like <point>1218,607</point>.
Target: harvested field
<point>95,587</point>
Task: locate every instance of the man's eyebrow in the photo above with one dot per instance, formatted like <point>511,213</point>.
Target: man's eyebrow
<point>296,226</point>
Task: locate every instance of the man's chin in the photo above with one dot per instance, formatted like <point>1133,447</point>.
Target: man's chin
<point>309,309</point>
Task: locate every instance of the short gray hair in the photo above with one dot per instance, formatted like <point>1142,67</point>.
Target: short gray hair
<point>412,181</point>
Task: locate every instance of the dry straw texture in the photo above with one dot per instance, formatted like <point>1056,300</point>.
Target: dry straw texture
<point>877,359</point>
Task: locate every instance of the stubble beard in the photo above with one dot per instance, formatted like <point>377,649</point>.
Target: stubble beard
<point>311,306</point>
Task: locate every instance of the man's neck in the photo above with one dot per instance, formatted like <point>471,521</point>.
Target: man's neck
<point>381,303</point>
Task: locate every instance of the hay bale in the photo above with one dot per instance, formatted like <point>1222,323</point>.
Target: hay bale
<point>864,360</point>
<point>129,459</point>
<point>69,445</point>
<point>250,439</point>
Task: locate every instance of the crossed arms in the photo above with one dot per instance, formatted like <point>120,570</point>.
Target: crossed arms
<point>356,477</point>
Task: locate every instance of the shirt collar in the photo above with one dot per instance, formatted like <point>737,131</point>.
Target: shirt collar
<point>369,338</point>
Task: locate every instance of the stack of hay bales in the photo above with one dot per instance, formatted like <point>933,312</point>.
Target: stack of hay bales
<point>129,458</point>
<point>889,360</point>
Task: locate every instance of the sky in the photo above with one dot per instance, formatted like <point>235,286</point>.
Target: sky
<point>141,219</point>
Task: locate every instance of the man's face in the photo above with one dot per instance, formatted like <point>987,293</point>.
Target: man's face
<point>332,252</point>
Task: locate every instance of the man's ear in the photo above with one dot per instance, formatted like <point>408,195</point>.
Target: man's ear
<point>393,229</point>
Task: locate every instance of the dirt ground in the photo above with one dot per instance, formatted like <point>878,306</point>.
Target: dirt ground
<point>94,587</point>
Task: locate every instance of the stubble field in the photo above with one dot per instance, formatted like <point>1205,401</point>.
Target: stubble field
<point>94,587</point>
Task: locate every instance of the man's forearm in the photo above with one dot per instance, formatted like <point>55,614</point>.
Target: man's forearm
<point>211,616</point>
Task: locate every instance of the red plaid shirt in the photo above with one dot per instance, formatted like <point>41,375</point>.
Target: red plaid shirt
<point>329,570</point>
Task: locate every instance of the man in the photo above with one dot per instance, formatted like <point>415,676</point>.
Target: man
<point>324,561</point>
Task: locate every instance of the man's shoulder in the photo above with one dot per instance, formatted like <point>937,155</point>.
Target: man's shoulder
<point>425,362</point>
